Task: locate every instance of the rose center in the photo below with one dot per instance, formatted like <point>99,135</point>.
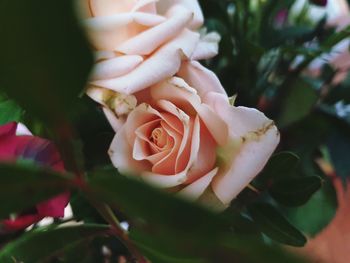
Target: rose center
<point>159,137</point>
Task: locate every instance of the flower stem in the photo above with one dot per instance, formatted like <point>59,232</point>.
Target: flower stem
<point>107,213</point>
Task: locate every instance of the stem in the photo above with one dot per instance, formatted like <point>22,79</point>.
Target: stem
<point>107,213</point>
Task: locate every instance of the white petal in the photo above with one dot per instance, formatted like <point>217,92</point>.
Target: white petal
<point>115,67</point>
<point>207,47</point>
<point>161,65</point>
<point>197,188</point>
<point>259,138</point>
<point>149,40</point>
<point>200,78</point>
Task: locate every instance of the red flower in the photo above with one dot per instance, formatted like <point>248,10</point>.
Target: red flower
<point>16,142</point>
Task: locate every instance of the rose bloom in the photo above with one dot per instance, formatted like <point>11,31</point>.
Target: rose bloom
<point>16,142</point>
<point>185,136</point>
<point>141,42</point>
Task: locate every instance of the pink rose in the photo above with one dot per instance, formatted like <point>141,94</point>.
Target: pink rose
<point>186,137</point>
<point>16,142</point>
<point>141,42</point>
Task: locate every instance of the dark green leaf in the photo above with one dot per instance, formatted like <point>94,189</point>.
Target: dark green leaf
<point>47,58</point>
<point>316,214</point>
<point>298,103</point>
<point>43,245</point>
<point>23,186</point>
<point>9,111</point>
<point>279,166</point>
<point>295,191</point>
<point>275,225</point>
<point>339,145</point>
<point>142,201</point>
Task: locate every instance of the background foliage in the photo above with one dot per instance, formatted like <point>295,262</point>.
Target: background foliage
<point>45,62</point>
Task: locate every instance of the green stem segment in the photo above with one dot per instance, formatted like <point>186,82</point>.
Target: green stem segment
<point>107,213</point>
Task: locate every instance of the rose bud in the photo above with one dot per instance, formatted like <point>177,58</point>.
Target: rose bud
<point>16,142</point>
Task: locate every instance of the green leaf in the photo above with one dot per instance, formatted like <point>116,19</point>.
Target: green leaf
<point>47,59</point>
<point>151,205</point>
<point>298,103</point>
<point>42,245</point>
<point>9,111</point>
<point>23,186</point>
<point>295,191</point>
<point>159,251</point>
<point>278,167</point>
<point>275,225</point>
<point>338,145</point>
<point>316,214</point>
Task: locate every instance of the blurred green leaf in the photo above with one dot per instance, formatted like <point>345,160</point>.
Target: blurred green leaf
<point>275,225</point>
<point>298,103</point>
<point>315,215</point>
<point>295,191</point>
<point>47,59</point>
<point>9,111</point>
<point>143,202</point>
<point>48,243</point>
<point>278,167</point>
<point>23,186</point>
<point>339,145</point>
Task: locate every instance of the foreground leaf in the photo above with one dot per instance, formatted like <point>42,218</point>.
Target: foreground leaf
<point>141,201</point>
<point>47,58</point>
<point>42,245</point>
<point>276,226</point>
<point>23,186</point>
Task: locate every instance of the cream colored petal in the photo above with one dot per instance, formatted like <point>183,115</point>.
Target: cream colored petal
<point>102,55</point>
<point>147,6</point>
<point>207,47</point>
<point>200,78</point>
<point>120,153</point>
<point>168,181</point>
<point>161,65</point>
<point>197,188</point>
<point>258,138</point>
<point>108,32</point>
<point>115,67</point>
<point>110,7</point>
<point>149,40</point>
<point>115,122</point>
<point>192,5</point>
<point>177,91</point>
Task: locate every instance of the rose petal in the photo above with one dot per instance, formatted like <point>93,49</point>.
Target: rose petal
<point>207,47</point>
<point>115,67</point>
<point>191,5</point>
<point>197,188</point>
<point>206,157</point>
<point>161,65</point>
<point>120,153</point>
<point>168,181</point>
<point>110,7</point>
<point>259,137</point>
<point>176,90</point>
<point>148,6</point>
<point>116,123</point>
<point>200,78</point>
<point>149,40</point>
